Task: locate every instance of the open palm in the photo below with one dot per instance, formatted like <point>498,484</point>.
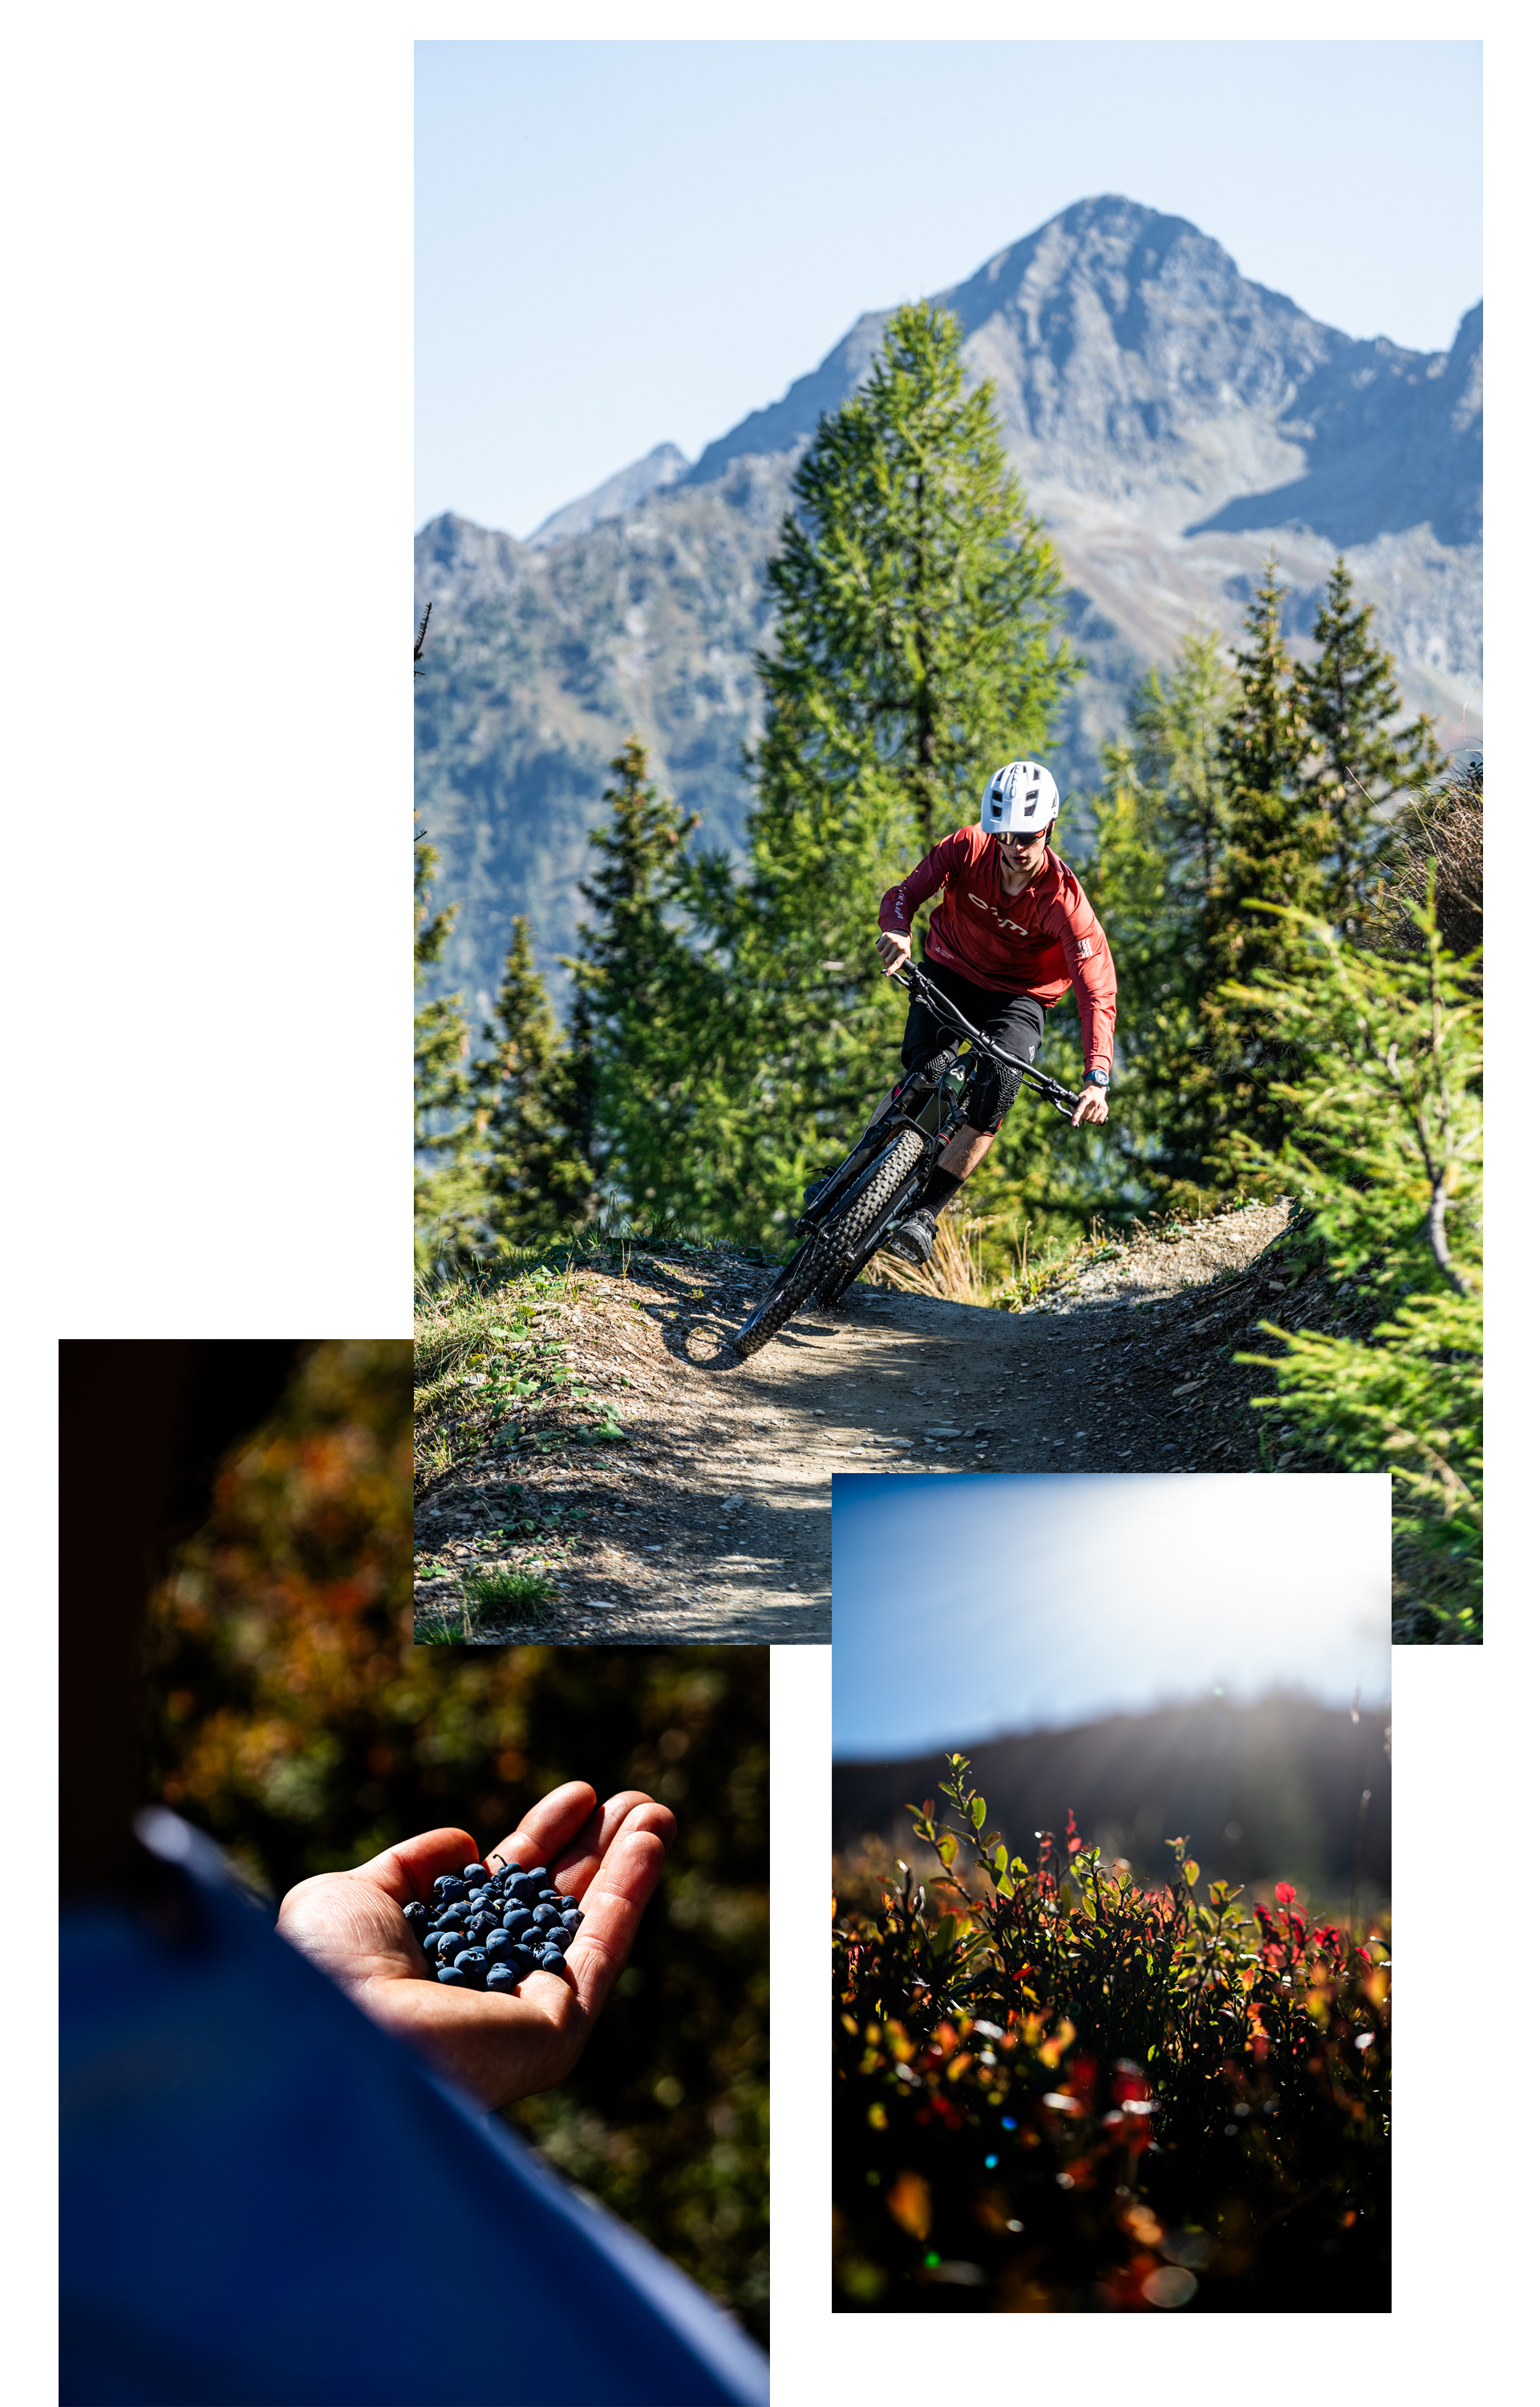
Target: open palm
<point>504,2046</point>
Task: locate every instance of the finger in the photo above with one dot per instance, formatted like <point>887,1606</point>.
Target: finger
<point>409,1869</point>
<point>580,1859</point>
<point>612,1913</point>
<point>547,1827</point>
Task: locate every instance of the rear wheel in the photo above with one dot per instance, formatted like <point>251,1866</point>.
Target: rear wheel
<point>835,1251</point>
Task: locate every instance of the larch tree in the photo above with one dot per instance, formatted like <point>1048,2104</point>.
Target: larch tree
<point>914,649</point>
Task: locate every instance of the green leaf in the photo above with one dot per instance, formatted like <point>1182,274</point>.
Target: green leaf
<point>1001,1858</point>
<point>946,1847</point>
<point>1006,1885</point>
<point>978,1810</point>
<point>1189,1875</point>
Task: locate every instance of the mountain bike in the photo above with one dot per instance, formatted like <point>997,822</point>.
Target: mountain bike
<point>849,1214</point>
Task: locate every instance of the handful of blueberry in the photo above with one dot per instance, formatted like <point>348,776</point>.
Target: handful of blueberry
<point>486,1930</point>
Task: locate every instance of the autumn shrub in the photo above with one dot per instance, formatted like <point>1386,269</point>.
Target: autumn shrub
<point>1056,2089</point>
<point>292,1717</point>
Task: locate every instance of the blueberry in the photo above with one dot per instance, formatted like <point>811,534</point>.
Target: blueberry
<point>550,1959</point>
<point>497,1943</point>
<point>450,1887</point>
<point>559,1939</point>
<point>437,1941</point>
<point>572,1916</point>
<point>472,1962</point>
<point>502,1978</point>
<point>545,1915</point>
<point>451,1978</point>
<point>475,1875</point>
<point>526,1891</point>
<point>538,1873</point>
<point>479,1925</point>
<point>416,1916</point>
<point>455,1917</point>
<point>523,1961</point>
<point>518,1917</point>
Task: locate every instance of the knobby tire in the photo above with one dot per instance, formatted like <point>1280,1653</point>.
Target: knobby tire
<point>870,1203</point>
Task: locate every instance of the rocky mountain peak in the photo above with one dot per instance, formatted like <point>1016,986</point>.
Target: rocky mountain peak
<point>664,464</point>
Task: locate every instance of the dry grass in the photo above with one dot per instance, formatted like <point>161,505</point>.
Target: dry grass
<point>955,1271</point>
<point>1159,1255</point>
<point>1442,834</point>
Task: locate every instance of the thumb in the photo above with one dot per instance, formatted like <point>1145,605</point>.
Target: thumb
<point>409,1869</point>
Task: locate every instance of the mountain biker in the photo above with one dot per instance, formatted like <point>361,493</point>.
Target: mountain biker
<point>1012,934</point>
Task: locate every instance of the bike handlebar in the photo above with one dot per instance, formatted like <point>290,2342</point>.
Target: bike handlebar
<point>1062,1098</point>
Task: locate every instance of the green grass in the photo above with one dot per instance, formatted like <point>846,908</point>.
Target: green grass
<point>456,1621</point>
<point>530,1593</point>
<point>501,1322</point>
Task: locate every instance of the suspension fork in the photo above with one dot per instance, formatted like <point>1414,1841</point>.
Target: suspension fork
<point>912,1104</point>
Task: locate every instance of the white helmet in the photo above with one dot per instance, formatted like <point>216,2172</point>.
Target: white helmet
<point>1020,799</point>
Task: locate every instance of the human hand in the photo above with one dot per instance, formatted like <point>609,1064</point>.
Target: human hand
<point>500,2048</point>
<point>891,950</point>
<point>1090,1108</point>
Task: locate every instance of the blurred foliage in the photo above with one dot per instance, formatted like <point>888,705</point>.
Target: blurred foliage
<point>292,1717</point>
<point>1058,2090</point>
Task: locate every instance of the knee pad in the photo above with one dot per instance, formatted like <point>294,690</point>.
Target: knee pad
<point>991,1092</point>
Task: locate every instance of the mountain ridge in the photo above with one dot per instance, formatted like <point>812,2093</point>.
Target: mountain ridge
<point>1171,420</point>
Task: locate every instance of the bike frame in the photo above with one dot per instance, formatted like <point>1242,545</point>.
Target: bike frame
<point>919,1105</point>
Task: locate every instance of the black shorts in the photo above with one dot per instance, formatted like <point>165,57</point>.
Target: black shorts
<point>1013,1021</point>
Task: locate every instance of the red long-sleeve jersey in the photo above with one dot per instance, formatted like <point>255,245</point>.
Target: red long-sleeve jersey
<point>1040,942</point>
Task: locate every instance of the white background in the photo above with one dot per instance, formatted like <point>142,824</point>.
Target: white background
<point>208,517</point>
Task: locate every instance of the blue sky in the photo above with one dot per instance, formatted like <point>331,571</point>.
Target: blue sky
<point>968,1605</point>
<point>626,243</point>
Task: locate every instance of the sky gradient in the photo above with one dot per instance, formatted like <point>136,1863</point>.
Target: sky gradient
<point>972,1605</point>
<point>621,244</point>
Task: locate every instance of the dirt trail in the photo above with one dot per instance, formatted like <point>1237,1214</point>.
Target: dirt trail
<point>712,1522</point>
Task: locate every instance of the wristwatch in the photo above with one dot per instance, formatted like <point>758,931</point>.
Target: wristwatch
<point>1097,1078</point>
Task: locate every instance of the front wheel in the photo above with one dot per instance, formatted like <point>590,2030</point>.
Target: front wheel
<point>838,1239</point>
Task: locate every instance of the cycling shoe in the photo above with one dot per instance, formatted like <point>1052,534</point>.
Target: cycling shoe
<point>914,1237</point>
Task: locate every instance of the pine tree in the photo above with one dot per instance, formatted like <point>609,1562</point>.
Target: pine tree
<point>1178,753</point>
<point>535,1178</point>
<point>1274,842</point>
<point>1161,820</point>
<point>641,993</point>
<point>1362,761</point>
<point>1274,838</point>
<point>445,1182</point>
<point>914,651</point>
